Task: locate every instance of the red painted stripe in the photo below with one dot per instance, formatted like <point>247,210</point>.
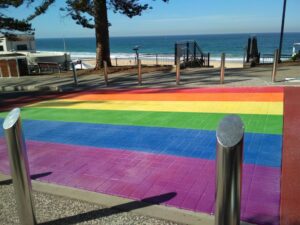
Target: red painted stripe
<point>191,90</point>
<point>290,182</point>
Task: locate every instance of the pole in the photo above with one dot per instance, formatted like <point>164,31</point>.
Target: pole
<point>244,57</point>
<point>178,71</point>
<point>8,68</point>
<point>230,138</point>
<point>156,58</point>
<point>187,51</point>
<point>74,74</point>
<point>222,72</point>
<point>140,72</point>
<point>17,67</point>
<point>116,61</point>
<point>282,29</point>
<point>176,53</point>
<point>105,71</point>
<point>275,65</point>
<point>19,166</point>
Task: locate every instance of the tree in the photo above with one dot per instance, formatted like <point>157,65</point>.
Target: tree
<point>93,14</point>
<point>10,25</point>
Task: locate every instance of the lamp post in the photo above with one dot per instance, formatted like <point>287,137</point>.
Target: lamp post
<point>282,29</point>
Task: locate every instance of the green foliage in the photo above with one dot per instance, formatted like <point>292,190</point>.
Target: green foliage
<point>83,12</point>
<point>10,25</point>
<point>296,57</point>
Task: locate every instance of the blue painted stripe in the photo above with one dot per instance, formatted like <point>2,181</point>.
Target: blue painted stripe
<point>260,149</point>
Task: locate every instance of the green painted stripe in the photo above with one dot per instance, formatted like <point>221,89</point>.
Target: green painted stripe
<point>269,124</point>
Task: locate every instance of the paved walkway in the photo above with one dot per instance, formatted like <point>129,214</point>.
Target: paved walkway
<point>147,142</point>
<point>191,77</point>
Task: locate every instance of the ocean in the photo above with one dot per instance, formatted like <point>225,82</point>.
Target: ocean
<point>121,47</point>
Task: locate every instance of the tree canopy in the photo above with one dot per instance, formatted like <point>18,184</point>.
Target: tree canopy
<point>82,11</point>
<point>93,14</point>
<point>10,25</point>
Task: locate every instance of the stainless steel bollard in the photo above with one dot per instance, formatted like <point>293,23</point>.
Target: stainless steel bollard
<point>230,138</point>
<point>177,71</point>
<point>275,65</point>
<point>74,74</point>
<point>222,73</point>
<point>139,71</point>
<point>105,71</point>
<point>19,167</point>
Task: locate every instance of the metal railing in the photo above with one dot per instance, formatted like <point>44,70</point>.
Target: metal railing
<point>269,58</point>
<point>190,54</point>
<point>160,59</point>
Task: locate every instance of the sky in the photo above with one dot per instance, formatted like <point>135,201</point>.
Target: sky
<point>178,17</point>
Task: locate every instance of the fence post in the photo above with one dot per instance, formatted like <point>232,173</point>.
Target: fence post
<point>156,58</point>
<point>19,166</point>
<point>74,74</point>
<point>230,139</point>
<point>222,73</point>
<point>178,71</point>
<point>105,72</point>
<point>140,72</point>
<point>116,61</point>
<point>275,65</point>
<point>208,59</point>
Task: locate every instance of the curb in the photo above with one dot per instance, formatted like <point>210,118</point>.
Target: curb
<point>176,215</point>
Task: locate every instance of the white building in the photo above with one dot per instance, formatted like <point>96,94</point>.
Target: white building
<point>21,42</point>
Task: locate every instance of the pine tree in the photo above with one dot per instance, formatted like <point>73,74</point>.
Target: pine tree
<point>93,14</point>
<point>9,25</point>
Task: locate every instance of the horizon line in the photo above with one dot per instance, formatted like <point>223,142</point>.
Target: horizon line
<point>171,35</point>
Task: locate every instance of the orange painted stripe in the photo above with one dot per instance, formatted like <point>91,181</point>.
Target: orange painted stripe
<point>261,97</point>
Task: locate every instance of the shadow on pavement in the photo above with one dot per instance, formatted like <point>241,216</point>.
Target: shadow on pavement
<point>33,177</point>
<point>126,207</point>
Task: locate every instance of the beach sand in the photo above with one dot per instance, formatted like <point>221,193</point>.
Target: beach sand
<point>128,62</point>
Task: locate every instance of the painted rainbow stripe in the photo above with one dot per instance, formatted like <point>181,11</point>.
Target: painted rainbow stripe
<point>138,143</point>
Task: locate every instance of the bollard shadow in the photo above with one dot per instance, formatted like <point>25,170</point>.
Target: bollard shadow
<point>33,177</point>
<point>100,213</point>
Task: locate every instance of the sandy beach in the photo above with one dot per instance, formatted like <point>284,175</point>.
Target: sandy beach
<point>127,62</point>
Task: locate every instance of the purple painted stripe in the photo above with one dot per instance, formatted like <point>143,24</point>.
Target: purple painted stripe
<point>138,175</point>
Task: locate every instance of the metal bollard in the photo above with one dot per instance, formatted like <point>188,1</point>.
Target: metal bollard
<point>230,139</point>
<point>177,71</point>
<point>74,74</point>
<point>139,71</point>
<point>19,166</point>
<point>222,73</point>
<point>275,65</point>
<point>105,72</point>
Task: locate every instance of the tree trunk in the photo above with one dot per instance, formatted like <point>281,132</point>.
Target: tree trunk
<point>102,33</point>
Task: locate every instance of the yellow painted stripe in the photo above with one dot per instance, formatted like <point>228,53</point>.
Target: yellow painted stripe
<point>273,108</point>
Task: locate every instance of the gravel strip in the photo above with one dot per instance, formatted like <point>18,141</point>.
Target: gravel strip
<point>52,210</point>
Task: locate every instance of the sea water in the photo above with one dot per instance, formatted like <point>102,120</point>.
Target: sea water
<point>122,47</point>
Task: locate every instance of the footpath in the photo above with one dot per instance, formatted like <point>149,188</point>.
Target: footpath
<point>191,77</point>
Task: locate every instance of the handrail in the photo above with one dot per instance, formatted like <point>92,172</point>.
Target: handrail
<point>189,53</point>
